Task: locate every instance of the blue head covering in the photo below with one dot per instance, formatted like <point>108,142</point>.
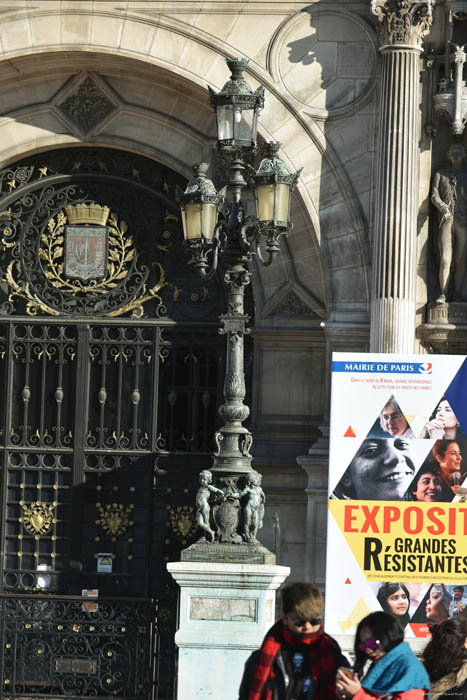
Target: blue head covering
<point>395,672</point>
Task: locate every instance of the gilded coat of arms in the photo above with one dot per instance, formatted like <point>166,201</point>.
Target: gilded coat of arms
<point>90,263</point>
<point>85,252</point>
<point>114,518</point>
<point>38,517</point>
<point>86,241</point>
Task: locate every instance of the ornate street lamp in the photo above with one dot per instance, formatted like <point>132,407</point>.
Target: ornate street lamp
<point>237,109</point>
<point>228,236</point>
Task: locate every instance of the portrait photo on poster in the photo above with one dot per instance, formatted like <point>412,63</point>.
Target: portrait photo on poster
<point>400,599</point>
<point>440,477</point>
<point>394,598</point>
<point>440,602</point>
<point>382,469</point>
<point>442,423</point>
<point>391,422</point>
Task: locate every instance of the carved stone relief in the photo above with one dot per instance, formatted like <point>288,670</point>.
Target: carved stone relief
<point>292,305</point>
<point>403,21</point>
<point>87,106</point>
<point>73,242</point>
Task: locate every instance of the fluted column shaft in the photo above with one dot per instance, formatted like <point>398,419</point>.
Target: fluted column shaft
<point>402,25</point>
<point>394,252</point>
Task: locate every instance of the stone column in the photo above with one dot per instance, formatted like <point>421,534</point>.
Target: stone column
<point>402,25</point>
<point>316,465</point>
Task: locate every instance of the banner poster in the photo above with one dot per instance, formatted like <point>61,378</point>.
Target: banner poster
<point>397,520</point>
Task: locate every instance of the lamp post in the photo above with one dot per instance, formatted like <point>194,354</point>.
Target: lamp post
<point>219,232</point>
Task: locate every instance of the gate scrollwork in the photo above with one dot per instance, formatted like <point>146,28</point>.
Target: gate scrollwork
<point>42,280</point>
<point>129,202</point>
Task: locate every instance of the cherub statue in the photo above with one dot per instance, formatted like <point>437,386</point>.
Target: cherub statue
<point>253,509</point>
<point>203,509</point>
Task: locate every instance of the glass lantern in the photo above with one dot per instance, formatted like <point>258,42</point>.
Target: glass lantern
<point>200,206</point>
<point>274,183</point>
<point>237,107</point>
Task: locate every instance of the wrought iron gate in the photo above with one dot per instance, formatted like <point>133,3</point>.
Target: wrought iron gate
<point>62,646</point>
<point>110,374</point>
<point>77,458</point>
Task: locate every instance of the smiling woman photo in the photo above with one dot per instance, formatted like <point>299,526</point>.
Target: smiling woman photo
<point>426,486</point>
<point>393,421</point>
<point>381,470</point>
<point>447,456</point>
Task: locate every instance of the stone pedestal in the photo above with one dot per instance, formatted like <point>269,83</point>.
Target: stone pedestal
<point>225,611</point>
<point>447,315</point>
<point>445,330</point>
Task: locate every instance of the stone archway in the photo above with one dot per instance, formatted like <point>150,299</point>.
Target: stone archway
<point>87,98</point>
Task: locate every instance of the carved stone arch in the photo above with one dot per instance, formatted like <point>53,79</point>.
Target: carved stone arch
<point>106,102</point>
<point>144,39</point>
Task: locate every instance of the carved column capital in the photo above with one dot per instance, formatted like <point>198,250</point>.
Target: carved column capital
<point>402,23</point>
<point>459,55</point>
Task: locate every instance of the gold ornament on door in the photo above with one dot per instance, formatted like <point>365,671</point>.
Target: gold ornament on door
<point>38,517</point>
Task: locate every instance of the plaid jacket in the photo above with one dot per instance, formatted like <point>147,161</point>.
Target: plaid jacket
<point>264,679</point>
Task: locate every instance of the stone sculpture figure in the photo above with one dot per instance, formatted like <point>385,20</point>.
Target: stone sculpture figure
<point>253,509</point>
<point>449,196</point>
<point>226,512</point>
<point>203,509</point>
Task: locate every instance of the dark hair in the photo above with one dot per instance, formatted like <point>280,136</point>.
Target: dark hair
<point>428,467</point>
<point>445,652</point>
<point>385,628</point>
<point>383,594</point>
<point>443,398</point>
<point>439,448</point>
<point>345,489</point>
<point>303,598</point>
<point>425,433</point>
<point>458,588</point>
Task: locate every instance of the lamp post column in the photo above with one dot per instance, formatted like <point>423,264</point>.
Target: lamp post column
<point>402,25</point>
<point>227,578</point>
<point>234,440</point>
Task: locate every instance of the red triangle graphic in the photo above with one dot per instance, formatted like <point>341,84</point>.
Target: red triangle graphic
<point>348,581</point>
<point>350,432</point>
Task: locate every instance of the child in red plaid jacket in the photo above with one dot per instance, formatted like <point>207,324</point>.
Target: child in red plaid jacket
<point>297,660</point>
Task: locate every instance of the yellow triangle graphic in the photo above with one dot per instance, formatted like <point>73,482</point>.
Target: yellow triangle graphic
<point>359,611</point>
